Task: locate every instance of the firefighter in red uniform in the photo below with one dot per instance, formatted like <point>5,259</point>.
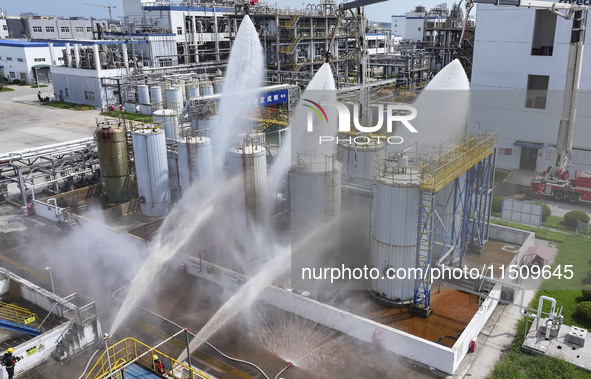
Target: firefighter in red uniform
<point>158,365</point>
<point>9,361</point>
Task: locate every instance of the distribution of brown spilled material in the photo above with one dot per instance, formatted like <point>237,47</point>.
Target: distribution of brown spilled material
<point>452,311</point>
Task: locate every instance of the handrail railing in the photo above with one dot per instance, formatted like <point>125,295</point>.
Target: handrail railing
<point>18,315</point>
<point>130,350</point>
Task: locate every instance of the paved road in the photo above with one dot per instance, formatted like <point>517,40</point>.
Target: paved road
<point>520,180</point>
<point>26,123</point>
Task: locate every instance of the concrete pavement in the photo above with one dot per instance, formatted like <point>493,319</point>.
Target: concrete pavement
<point>26,123</point>
<point>497,335</point>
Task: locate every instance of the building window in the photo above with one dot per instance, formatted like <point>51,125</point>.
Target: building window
<point>537,91</point>
<point>5,27</point>
<point>419,29</point>
<point>67,93</point>
<point>12,75</point>
<point>37,29</point>
<point>165,62</point>
<point>79,29</point>
<point>544,29</point>
<point>49,29</point>
<point>20,59</point>
<point>8,58</point>
<point>23,76</point>
<point>60,58</point>
<point>88,95</point>
<point>88,29</point>
<point>39,59</point>
<point>65,29</point>
<point>179,30</point>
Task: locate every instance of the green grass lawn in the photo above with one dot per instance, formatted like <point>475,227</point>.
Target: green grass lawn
<point>129,115</point>
<point>557,222</point>
<point>6,89</point>
<point>516,364</point>
<point>66,105</point>
<point>40,86</point>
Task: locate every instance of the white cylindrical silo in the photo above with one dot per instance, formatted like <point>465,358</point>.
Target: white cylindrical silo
<point>195,160</point>
<point>174,99</point>
<point>156,97</point>
<point>143,93</point>
<point>151,166</point>
<point>193,90</point>
<point>166,118</point>
<point>315,195</point>
<point>218,84</point>
<point>358,159</point>
<point>206,88</point>
<point>202,124</point>
<point>393,228</point>
<point>249,160</point>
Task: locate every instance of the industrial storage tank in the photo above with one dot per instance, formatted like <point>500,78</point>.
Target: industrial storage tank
<point>195,160</point>
<point>358,159</point>
<point>218,84</point>
<point>248,158</point>
<point>156,97</point>
<point>206,88</point>
<point>112,151</point>
<point>151,166</point>
<point>193,90</point>
<point>167,118</point>
<point>393,226</point>
<point>202,124</point>
<point>315,194</point>
<point>143,93</point>
<point>174,99</point>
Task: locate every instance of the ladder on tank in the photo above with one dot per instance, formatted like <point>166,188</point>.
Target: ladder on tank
<point>422,289</point>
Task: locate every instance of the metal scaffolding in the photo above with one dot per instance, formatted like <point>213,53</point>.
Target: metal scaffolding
<point>469,168</point>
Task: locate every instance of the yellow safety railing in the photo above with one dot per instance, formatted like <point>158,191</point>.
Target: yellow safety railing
<point>441,171</point>
<point>289,23</point>
<point>270,117</point>
<point>291,48</point>
<point>118,356</point>
<point>433,174</point>
<point>18,315</point>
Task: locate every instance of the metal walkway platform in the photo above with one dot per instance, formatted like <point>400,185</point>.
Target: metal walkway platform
<point>136,371</point>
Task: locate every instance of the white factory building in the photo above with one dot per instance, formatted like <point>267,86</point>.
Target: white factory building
<point>411,25</point>
<point>3,28</point>
<point>23,60</point>
<point>518,79</point>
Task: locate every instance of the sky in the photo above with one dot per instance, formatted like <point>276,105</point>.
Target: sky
<point>381,12</point>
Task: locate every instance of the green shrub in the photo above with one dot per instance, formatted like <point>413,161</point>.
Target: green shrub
<point>571,218</point>
<point>584,310</point>
<point>497,203</point>
<point>586,295</point>
<point>546,211</point>
<point>16,81</point>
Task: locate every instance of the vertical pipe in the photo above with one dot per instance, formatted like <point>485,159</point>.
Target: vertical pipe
<point>69,54</point>
<point>97,57</point>
<point>125,56</point>
<point>77,55</point>
<point>194,36</point>
<point>51,54</point>
<point>188,350</point>
<point>217,37</point>
<point>277,40</point>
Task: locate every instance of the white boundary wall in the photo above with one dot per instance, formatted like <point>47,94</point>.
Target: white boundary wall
<point>404,344</point>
